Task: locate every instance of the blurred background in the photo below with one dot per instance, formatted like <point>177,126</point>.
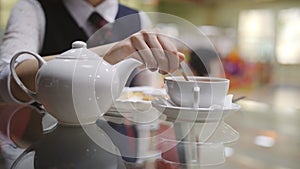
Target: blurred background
<point>258,42</point>
<point>257,39</point>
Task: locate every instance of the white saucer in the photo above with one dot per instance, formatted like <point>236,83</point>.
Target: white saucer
<point>175,113</point>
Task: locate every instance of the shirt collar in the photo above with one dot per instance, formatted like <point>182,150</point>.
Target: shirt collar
<point>80,10</point>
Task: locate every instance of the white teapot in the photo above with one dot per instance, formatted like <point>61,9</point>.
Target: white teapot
<point>78,86</point>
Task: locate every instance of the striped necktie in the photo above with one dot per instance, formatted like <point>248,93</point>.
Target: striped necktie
<point>97,20</point>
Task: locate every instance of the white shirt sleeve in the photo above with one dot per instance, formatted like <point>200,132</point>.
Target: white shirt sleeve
<point>25,31</point>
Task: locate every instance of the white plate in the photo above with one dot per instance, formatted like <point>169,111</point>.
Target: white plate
<point>137,111</point>
<point>130,105</point>
<point>129,102</point>
<point>174,113</point>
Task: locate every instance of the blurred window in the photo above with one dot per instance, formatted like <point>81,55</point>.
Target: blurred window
<point>288,40</point>
<point>256,34</point>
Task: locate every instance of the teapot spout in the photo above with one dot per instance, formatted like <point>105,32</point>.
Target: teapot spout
<point>123,71</point>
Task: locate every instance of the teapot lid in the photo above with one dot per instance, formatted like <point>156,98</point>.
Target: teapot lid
<point>79,51</point>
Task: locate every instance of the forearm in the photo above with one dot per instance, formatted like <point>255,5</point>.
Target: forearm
<point>103,50</point>
<point>26,71</point>
<point>24,32</point>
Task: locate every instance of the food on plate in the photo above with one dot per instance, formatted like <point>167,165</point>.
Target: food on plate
<point>141,94</point>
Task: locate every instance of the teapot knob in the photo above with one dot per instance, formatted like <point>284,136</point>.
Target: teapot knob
<point>78,44</point>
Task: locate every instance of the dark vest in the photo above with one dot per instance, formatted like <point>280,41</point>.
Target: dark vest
<point>61,29</point>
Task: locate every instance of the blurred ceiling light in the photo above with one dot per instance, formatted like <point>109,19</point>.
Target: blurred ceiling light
<point>256,34</point>
<point>256,23</point>
<point>266,138</point>
<point>229,151</point>
<point>264,141</point>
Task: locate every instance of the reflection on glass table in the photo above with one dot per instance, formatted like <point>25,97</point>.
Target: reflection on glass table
<point>269,136</point>
<point>34,138</point>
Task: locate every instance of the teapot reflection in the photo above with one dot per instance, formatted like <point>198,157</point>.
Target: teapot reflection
<point>35,141</point>
<point>70,147</point>
<point>20,126</point>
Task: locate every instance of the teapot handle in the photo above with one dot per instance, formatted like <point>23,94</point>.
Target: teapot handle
<point>41,62</point>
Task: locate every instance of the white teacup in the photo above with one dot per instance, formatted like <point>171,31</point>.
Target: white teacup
<point>198,92</point>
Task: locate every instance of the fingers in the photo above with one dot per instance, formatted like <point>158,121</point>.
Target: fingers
<point>181,56</point>
<point>144,52</point>
<point>156,51</point>
<point>164,51</point>
<point>171,53</point>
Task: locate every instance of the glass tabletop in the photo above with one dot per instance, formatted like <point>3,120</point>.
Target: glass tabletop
<point>268,138</point>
